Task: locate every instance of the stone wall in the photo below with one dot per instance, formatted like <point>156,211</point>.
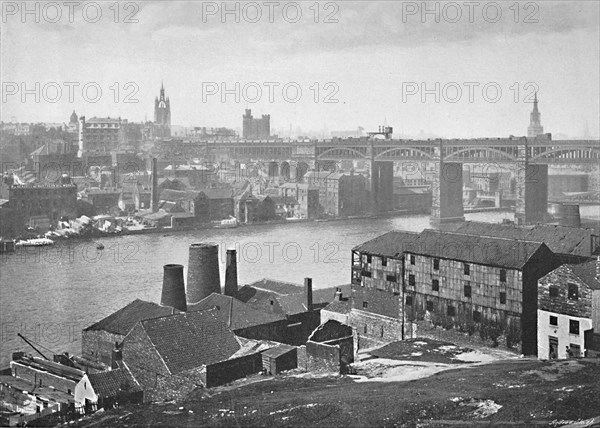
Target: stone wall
<point>322,358</point>
<point>227,371</point>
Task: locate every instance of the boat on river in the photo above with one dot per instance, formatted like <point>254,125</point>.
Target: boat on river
<point>35,242</point>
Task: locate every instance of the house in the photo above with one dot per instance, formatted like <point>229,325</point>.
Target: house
<point>171,355</point>
<point>98,340</point>
<point>338,310</point>
<point>105,389</point>
<point>407,285</point>
<point>569,311</point>
<point>307,197</point>
<point>340,194</point>
<point>193,202</point>
<point>286,207</point>
<point>330,348</point>
<point>220,203</point>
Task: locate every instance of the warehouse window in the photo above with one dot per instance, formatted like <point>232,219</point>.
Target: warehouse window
<point>476,316</point>
<point>365,305</point>
<point>573,326</point>
<point>430,306</point>
<point>502,297</point>
<point>502,275</point>
<point>390,278</point>
<point>553,320</point>
<point>466,269</point>
<point>409,300</point>
<point>411,280</point>
<point>467,290</point>
<point>436,264</point>
<point>451,311</point>
<point>573,291</point>
<point>435,284</point>
<point>412,259</point>
<point>368,258</point>
<point>384,261</point>
<point>553,291</point>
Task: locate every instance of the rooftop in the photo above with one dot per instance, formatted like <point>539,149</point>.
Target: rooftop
<point>588,272</point>
<point>191,339</point>
<point>123,320</point>
<point>110,383</point>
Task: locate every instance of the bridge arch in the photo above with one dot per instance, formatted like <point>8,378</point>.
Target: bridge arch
<point>336,150</point>
<point>502,155</point>
<point>593,153</point>
<point>382,155</point>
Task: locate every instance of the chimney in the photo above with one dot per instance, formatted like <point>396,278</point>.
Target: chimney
<point>338,295</point>
<point>154,201</point>
<point>308,292</point>
<point>203,272</point>
<point>173,291</point>
<point>116,357</point>
<point>231,281</point>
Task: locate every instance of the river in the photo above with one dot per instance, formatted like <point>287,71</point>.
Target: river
<point>50,294</point>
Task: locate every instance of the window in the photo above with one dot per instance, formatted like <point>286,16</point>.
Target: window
<point>368,258</point>
<point>272,303</point>
<point>502,275</point>
<point>365,305</point>
<point>435,284</point>
<point>366,273</point>
<point>411,280</point>
<point>466,269</point>
<point>573,327</point>
<point>451,311</point>
<point>384,261</point>
<point>573,291</point>
<point>467,290</point>
<point>365,329</point>
<point>436,264</point>
<point>412,259</point>
<point>409,300</point>
<point>476,316</point>
<point>503,297</point>
<point>430,306</point>
<point>553,291</point>
<point>553,320</point>
<point>390,278</point>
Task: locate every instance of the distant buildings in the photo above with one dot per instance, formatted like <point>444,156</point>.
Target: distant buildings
<point>256,129</point>
<point>100,135</point>
<point>340,194</point>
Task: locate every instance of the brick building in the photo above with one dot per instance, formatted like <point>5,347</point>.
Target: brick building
<point>569,311</point>
<point>407,284</point>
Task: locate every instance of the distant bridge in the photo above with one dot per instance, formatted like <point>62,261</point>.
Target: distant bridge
<point>540,150</point>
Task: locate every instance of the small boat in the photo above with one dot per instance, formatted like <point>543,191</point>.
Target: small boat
<point>36,242</point>
<point>228,223</point>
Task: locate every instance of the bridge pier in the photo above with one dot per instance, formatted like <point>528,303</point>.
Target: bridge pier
<point>382,186</point>
<point>446,194</point>
<point>532,193</point>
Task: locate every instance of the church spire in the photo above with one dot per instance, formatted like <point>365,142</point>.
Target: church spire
<point>535,124</point>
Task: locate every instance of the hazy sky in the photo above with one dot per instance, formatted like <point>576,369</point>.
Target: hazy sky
<point>372,61</point>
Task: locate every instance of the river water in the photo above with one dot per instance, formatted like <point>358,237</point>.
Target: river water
<point>50,294</point>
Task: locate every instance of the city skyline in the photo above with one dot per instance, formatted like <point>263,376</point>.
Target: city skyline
<point>373,60</point>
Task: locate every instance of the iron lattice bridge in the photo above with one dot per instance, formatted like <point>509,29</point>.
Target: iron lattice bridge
<point>501,150</point>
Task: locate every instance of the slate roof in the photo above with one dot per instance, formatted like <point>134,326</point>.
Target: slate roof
<point>234,312</point>
<point>560,239</point>
<point>178,195</point>
<point>110,383</point>
<point>191,339</point>
<point>123,320</point>
<point>340,307</point>
<point>283,304</point>
<point>589,273</point>
<point>491,251</point>
<point>279,287</point>
<point>391,244</point>
<point>221,193</point>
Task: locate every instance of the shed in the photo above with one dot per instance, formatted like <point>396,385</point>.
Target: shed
<point>280,358</point>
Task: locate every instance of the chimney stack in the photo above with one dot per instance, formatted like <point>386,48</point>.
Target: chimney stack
<point>231,281</point>
<point>308,292</point>
<point>338,295</point>
<point>154,196</point>
<point>203,272</point>
<point>173,291</point>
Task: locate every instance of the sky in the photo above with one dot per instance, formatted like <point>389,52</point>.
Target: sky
<point>449,69</point>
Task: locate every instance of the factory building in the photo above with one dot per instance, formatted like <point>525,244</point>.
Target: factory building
<point>437,283</point>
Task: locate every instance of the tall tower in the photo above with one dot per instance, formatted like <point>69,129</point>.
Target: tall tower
<point>535,126</point>
<point>162,114</point>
